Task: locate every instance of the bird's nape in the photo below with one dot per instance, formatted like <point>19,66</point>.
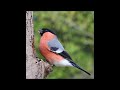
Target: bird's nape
<point>44,30</point>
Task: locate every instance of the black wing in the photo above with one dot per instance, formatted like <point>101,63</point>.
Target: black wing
<point>65,55</point>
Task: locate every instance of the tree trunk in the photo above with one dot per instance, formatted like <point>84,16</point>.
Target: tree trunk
<point>35,68</point>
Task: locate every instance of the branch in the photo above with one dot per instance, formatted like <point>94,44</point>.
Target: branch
<point>35,68</point>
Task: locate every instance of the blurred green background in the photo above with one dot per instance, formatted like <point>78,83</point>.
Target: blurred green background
<point>75,30</point>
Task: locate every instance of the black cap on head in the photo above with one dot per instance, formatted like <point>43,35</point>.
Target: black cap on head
<point>43,30</point>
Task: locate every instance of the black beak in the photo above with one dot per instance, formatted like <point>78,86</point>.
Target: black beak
<point>39,31</point>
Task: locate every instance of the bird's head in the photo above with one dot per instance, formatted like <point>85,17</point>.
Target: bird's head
<point>44,30</point>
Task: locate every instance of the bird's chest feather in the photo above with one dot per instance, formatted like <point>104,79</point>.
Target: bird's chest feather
<point>45,50</point>
<point>43,46</point>
<point>50,56</point>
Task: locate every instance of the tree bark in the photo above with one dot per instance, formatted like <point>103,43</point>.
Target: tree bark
<point>35,68</point>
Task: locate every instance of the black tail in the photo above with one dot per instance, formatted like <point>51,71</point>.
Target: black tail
<point>75,65</point>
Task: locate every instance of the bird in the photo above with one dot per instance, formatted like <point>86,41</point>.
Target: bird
<point>53,51</point>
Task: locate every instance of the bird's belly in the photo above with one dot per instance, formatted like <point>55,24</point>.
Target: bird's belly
<point>50,56</point>
<point>63,62</point>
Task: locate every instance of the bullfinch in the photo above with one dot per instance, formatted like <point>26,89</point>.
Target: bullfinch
<point>53,51</point>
